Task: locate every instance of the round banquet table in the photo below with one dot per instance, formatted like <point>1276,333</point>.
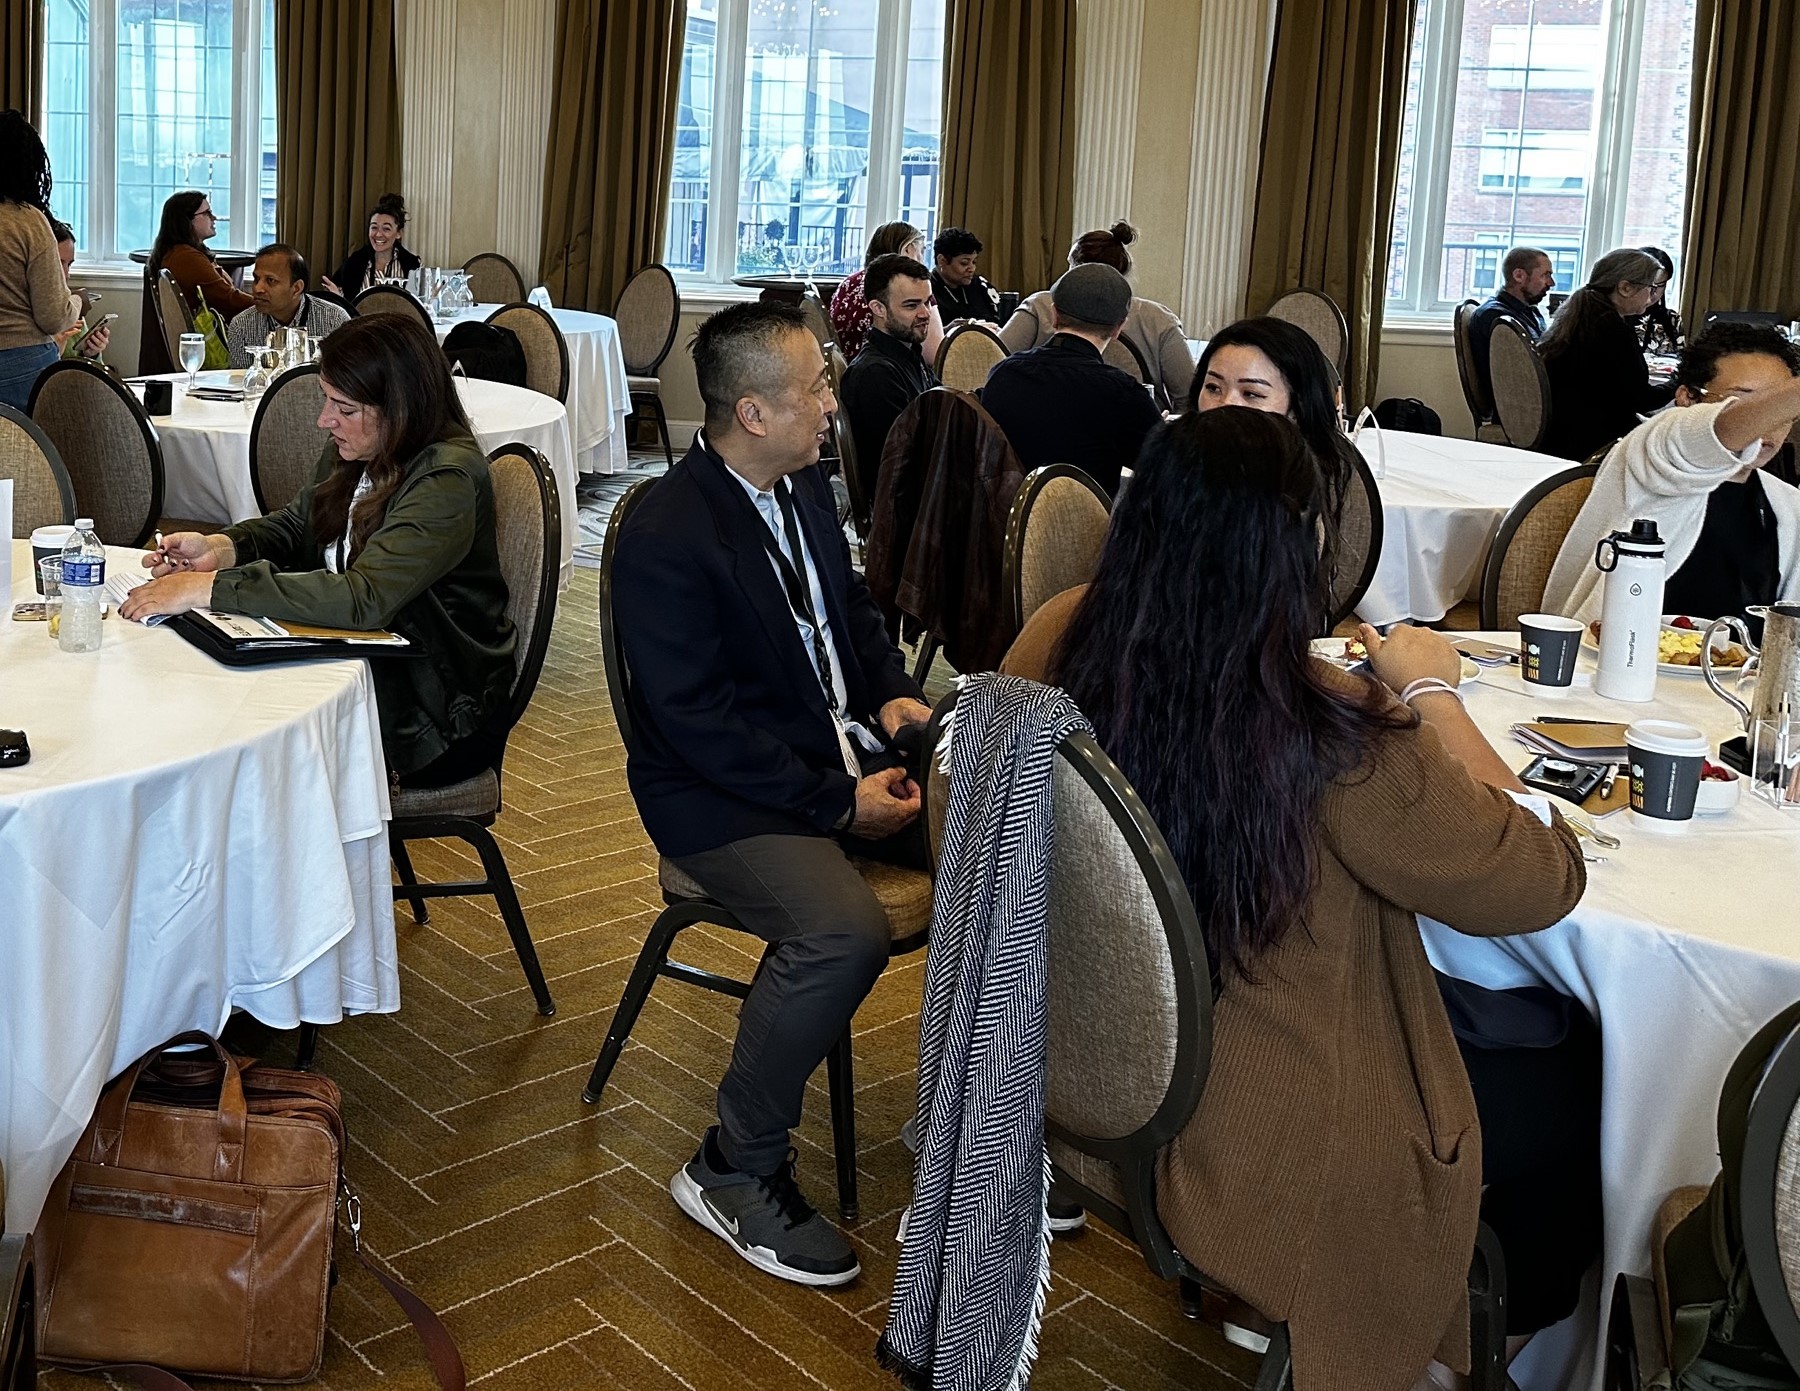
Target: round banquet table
<point>1442,500</point>
<point>187,838</point>
<point>1683,946</point>
<point>206,448</point>
<point>599,394</point>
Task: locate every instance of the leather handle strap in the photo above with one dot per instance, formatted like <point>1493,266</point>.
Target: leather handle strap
<point>440,1348</point>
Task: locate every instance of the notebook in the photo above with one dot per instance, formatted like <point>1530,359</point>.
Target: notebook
<point>1578,743</point>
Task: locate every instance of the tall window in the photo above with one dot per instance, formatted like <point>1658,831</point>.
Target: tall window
<point>1560,124</point>
<point>144,98</point>
<point>829,115</point>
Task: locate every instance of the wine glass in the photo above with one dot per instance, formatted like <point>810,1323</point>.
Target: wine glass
<point>790,257</point>
<point>193,354</point>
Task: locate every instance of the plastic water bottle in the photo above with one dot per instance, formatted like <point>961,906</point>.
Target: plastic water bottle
<point>83,585</point>
<point>1631,614</point>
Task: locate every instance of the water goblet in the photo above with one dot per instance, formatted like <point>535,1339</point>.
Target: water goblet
<point>193,355</point>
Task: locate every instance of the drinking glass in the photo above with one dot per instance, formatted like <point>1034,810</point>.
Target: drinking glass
<point>1775,765</point>
<point>193,355</point>
<point>790,257</point>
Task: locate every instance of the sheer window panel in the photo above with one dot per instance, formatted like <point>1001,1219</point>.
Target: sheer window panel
<point>146,98</point>
<point>836,109</point>
<point>1518,113</point>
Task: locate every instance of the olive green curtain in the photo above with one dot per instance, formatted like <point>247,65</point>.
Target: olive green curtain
<point>611,145</point>
<point>1330,164</point>
<point>1008,156</point>
<point>1742,243</point>
<point>337,122</point>
<point>22,57</point>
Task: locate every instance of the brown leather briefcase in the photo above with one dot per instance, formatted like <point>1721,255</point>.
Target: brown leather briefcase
<point>192,1228</point>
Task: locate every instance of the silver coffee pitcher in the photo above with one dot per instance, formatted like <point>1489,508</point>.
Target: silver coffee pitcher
<point>1775,666</point>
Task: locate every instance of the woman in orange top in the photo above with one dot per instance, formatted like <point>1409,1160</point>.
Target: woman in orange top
<point>187,224</point>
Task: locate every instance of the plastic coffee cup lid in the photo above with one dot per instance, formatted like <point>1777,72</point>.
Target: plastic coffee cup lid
<point>1553,621</point>
<point>1667,737</point>
<point>57,536</point>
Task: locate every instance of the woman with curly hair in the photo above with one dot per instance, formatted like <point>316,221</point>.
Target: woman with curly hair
<point>35,303</point>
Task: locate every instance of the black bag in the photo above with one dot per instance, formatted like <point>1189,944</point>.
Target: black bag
<point>1409,414</point>
<point>486,351</point>
<point>1721,1339</point>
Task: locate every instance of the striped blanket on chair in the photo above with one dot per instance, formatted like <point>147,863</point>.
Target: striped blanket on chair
<point>975,1266</point>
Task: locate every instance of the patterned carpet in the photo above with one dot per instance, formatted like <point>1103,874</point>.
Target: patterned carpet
<point>542,1228</point>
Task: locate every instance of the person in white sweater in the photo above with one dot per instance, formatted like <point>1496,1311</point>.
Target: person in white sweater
<point>1153,329</point>
<point>1731,529</point>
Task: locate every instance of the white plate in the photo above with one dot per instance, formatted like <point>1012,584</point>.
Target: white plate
<point>1332,650</point>
<point>1725,638</point>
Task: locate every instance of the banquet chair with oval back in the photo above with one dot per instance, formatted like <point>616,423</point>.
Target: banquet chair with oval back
<point>18,1316</point>
<point>1759,1110</point>
<point>174,315</point>
<point>817,320</point>
<point>1317,313</point>
<point>969,352</point>
<point>905,894</point>
<point>1521,386</point>
<point>110,450</point>
<point>527,521</point>
<point>285,438</point>
<point>1525,548</point>
<point>648,313</point>
<point>546,352</point>
<point>42,494</point>
<point>851,470</point>
<point>1122,353</point>
<point>1129,999</point>
<point>390,299</point>
<point>1362,527</point>
<point>1475,391</point>
<point>493,279</point>
<point>1054,537</point>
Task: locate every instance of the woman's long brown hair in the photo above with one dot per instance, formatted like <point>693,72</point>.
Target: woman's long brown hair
<point>389,362</point>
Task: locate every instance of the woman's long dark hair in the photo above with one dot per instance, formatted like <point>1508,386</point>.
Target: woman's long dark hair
<point>390,362</point>
<point>177,229</point>
<point>1312,384</point>
<point>1591,306</point>
<point>24,166</point>
<point>1660,325</point>
<point>1189,654</point>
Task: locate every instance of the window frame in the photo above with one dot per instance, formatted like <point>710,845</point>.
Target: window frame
<point>96,242</point>
<point>887,120</point>
<point>1608,183</point>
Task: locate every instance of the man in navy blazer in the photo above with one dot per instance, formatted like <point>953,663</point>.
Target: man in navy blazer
<point>765,692</point>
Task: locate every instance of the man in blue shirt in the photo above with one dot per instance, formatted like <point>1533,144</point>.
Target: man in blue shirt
<point>1526,277</point>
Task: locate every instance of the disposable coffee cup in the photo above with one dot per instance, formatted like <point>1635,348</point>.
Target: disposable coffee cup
<point>1666,761</point>
<point>159,398</point>
<point>1548,646</point>
<point>47,541</point>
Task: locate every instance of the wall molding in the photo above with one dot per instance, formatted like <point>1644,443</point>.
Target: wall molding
<point>428,122</point>
<point>527,76</point>
<point>1111,35</point>
<point>1235,39</point>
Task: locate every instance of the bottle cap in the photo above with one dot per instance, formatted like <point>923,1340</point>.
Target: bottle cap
<point>1643,531</point>
<point>84,524</point>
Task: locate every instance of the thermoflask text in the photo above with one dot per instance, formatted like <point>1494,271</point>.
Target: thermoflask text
<point>1631,616</point>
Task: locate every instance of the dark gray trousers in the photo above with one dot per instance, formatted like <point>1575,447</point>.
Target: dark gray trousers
<point>830,937</point>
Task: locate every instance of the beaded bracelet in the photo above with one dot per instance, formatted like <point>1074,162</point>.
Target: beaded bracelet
<point>1427,684</point>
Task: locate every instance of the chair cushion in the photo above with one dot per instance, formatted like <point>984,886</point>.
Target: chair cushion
<point>477,796</point>
<point>904,893</point>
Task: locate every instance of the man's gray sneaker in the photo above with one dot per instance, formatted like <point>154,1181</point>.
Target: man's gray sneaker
<point>765,1219</point>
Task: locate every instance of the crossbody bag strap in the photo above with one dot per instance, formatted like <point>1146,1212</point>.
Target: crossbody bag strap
<point>440,1348</point>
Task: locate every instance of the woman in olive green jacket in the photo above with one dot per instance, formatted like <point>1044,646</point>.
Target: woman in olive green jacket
<point>397,532</point>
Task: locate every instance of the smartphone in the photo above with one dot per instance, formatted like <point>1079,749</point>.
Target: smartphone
<point>1561,778</point>
<point>91,330</point>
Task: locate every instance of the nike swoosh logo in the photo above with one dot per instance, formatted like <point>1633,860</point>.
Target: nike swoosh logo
<point>728,1223</point>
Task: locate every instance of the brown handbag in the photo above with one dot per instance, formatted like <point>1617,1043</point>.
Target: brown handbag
<point>192,1228</point>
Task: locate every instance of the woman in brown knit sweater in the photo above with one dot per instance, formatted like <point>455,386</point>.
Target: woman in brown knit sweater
<point>1333,1173</point>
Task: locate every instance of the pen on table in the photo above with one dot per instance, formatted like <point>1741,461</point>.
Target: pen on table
<point>1606,783</point>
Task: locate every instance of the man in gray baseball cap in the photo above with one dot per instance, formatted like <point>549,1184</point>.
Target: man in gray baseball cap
<point>1061,403</point>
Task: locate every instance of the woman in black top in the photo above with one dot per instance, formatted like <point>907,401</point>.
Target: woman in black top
<point>1599,382</point>
<point>1659,331</point>
<point>379,259</point>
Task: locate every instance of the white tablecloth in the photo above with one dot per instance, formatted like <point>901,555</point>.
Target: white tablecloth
<point>599,395</point>
<point>1683,946</point>
<point>187,838</point>
<point>1442,500</point>
<point>206,449</point>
